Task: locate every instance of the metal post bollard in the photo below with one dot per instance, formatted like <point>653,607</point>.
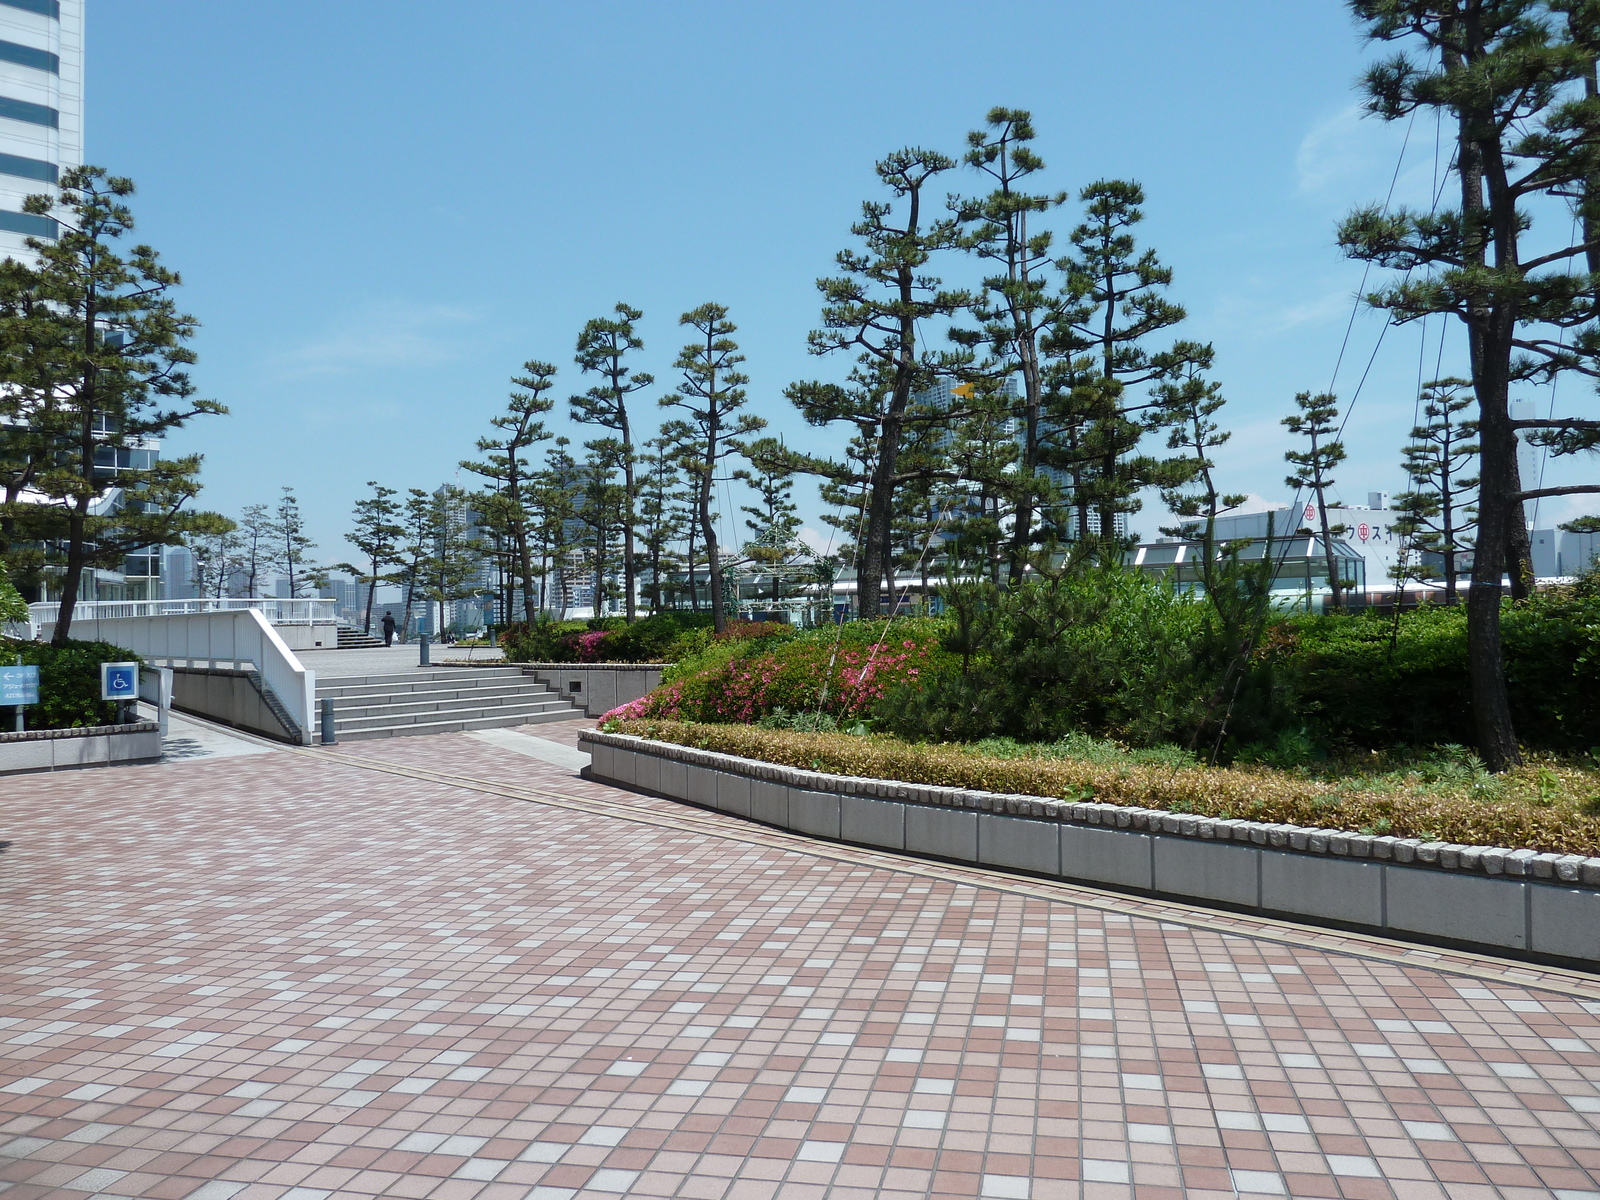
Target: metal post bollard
<point>423,644</point>
<point>329,736</point>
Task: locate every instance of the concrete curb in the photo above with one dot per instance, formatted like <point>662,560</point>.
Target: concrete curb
<point>69,749</point>
<point>1545,906</point>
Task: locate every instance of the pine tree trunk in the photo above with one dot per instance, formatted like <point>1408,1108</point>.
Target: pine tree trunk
<point>1335,591</point>
<point>1489,343</point>
<point>71,581</point>
<point>629,580</point>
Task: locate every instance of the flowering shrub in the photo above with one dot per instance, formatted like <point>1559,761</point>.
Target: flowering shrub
<point>842,671</point>
<point>583,647</point>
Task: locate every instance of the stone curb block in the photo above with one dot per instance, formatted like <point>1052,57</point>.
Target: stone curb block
<point>1445,856</point>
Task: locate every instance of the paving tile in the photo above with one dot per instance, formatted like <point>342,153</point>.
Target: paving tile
<point>299,975</point>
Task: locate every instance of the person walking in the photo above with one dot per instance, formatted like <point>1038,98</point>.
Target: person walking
<point>388,629</point>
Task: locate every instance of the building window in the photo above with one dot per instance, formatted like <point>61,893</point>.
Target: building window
<point>15,222</point>
<point>29,168</point>
<point>33,114</point>
<point>29,56</point>
<point>45,8</point>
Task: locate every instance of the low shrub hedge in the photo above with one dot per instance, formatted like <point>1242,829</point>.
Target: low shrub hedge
<point>1538,808</point>
<point>1368,681</point>
<point>69,683</point>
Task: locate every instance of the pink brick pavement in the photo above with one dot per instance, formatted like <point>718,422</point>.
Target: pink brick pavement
<point>288,976</point>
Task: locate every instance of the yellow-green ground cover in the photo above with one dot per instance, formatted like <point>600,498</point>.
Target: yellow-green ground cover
<point>1550,804</point>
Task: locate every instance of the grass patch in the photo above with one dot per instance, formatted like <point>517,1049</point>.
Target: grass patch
<point>1550,804</point>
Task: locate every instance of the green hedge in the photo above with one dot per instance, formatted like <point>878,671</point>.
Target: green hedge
<point>69,683</point>
<point>1370,682</point>
<point>659,638</point>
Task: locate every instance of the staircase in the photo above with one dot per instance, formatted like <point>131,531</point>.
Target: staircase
<point>351,638</point>
<point>443,701</point>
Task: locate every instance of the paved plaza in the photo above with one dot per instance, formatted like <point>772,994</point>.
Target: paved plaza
<point>449,967</point>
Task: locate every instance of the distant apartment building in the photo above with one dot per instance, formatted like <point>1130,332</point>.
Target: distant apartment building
<point>41,110</point>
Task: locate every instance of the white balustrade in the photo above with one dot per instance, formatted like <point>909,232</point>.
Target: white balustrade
<point>238,637</point>
<point>277,611</point>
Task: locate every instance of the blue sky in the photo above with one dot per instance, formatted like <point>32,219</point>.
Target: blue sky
<point>381,208</point>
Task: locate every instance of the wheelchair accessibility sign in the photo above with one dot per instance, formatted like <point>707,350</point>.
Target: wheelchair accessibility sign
<point>119,681</point>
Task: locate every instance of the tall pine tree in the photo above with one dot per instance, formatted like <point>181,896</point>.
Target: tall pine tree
<point>711,395</point>
<point>1513,81</point>
<point>603,348</point>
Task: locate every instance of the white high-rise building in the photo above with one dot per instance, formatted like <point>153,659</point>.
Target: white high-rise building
<point>41,109</point>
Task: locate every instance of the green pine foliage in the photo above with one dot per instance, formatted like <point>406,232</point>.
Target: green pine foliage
<point>13,608</point>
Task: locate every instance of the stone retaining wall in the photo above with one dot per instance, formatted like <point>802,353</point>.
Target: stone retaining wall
<point>1544,906</point>
<point>598,687</point>
<point>69,749</point>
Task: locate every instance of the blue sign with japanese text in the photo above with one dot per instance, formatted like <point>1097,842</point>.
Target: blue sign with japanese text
<point>19,685</point>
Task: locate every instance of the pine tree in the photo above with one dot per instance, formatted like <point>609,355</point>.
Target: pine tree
<point>876,307</point>
<point>455,567</point>
<point>215,554</point>
<point>1441,452</point>
<point>602,511</point>
<point>111,354</point>
<point>1513,78</point>
<point>36,350</point>
<point>256,546</point>
<point>555,498</point>
<point>1188,407</point>
<point>377,536</point>
<point>712,393</point>
<point>774,519</point>
<point>1017,305</point>
<point>1113,305</point>
<point>976,508</point>
<point>603,346</point>
<point>290,542</point>
<point>1316,422</point>
<point>660,524</point>
<point>677,446</point>
<point>416,549</point>
<point>506,507</point>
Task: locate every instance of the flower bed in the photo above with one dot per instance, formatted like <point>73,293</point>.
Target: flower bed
<point>1256,794</point>
<point>840,672</point>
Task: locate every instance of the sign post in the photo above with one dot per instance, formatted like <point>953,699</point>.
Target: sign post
<point>19,685</point>
<point>120,682</point>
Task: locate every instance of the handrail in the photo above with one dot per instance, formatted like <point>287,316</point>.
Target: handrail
<point>277,610</point>
<point>239,635</point>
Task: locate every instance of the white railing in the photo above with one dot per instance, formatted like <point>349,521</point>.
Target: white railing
<point>238,637</point>
<point>276,611</point>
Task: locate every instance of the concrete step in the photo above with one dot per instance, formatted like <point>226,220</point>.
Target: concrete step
<point>488,693</point>
<point>377,684</point>
<point>351,638</point>
<point>504,721</point>
<point>410,709</point>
